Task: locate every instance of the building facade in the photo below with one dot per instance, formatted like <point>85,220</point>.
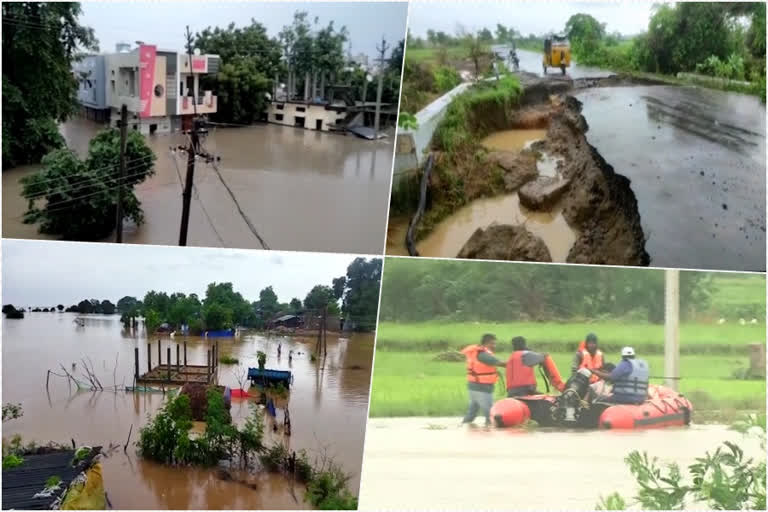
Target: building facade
<point>159,87</point>
<point>91,91</point>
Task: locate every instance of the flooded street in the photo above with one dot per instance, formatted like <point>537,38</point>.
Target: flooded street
<point>328,407</point>
<point>531,62</point>
<point>302,189</point>
<point>420,463</point>
<point>696,159</point>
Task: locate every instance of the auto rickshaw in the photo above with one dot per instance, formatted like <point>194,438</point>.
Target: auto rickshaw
<point>557,53</point>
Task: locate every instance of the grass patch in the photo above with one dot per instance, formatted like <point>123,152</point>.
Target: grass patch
<point>227,359</point>
<point>12,461</point>
<point>413,384</point>
<point>553,336</point>
<point>52,482</point>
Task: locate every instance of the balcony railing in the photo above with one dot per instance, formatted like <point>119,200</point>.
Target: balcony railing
<point>205,104</point>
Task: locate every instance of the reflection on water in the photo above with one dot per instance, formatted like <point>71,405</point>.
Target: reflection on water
<point>303,190</point>
<point>450,235</point>
<point>409,465</point>
<point>513,140</point>
<point>328,407</point>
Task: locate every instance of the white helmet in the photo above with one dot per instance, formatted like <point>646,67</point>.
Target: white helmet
<point>627,352</point>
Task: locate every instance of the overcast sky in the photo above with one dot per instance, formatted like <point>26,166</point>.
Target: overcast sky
<point>163,23</point>
<point>50,273</point>
<point>527,16</point>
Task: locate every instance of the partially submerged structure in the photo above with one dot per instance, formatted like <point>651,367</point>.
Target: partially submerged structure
<point>160,87</point>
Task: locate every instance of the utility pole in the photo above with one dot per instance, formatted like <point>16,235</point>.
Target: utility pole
<point>671,328</point>
<point>191,154</point>
<point>382,50</point>
<point>121,177</point>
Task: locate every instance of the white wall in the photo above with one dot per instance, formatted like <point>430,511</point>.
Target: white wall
<point>312,114</point>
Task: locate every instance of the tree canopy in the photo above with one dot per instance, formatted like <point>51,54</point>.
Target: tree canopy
<point>41,40</point>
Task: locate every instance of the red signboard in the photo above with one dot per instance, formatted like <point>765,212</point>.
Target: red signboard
<point>199,64</point>
<point>147,55</point>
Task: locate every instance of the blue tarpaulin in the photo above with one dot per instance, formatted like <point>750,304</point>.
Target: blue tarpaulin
<point>227,333</point>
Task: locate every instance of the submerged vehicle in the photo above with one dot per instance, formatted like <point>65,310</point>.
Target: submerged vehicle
<point>664,407</point>
<point>557,53</point>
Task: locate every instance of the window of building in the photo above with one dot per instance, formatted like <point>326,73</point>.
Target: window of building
<point>113,86</point>
<point>300,109</point>
<point>280,106</point>
<point>278,117</point>
<point>159,90</point>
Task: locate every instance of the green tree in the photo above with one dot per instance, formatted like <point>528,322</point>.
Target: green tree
<point>268,303</point>
<point>81,196</point>
<point>216,317</point>
<point>41,40</point>
<point>319,297</point>
<point>339,284</point>
<point>250,58</point>
<point>485,35</point>
<point>296,305</point>
<point>152,320</point>
<point>60,307</point>
<point>107,308</point>
<point>361,300</point>
<point>127,304</point>
<point>585,33</point>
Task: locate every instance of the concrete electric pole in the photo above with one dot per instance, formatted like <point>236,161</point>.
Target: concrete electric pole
<point>672,328</point>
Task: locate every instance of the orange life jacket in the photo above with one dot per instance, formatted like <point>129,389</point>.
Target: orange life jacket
<point>518,374</point>
<point>591,362</point>
<point>477,371</point>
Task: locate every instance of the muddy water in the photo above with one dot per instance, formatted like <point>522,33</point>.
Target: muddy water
<point>512,140</point>
<point>429,464</point>
<point>696,159</point>
<point>303,190</point>
<point>328,408</point>
<point>450,235</point>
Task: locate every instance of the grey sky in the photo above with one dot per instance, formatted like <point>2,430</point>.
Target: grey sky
<point>527,16</point>
<point>48,273</point>
<point>163,23</point>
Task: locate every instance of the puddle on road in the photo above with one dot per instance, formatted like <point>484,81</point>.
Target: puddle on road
<point>302,189</point>
<point>410,466</point>
<point>513,140</point>
<point>450,235</point>
<point>328,408</point>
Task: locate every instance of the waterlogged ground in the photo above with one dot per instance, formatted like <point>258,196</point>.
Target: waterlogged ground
<point>328,407</point>
<point>302,189</point>
<point>432,463</point>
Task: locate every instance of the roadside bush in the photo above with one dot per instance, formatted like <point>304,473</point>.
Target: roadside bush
<point>446,78</point>
<point>731,68</point>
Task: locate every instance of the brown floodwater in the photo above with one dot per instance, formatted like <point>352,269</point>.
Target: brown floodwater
<point>450,235</point>
<point>511,140</point>
<point>432,464</point>
<point>302,189</point>
<point>328,406</point>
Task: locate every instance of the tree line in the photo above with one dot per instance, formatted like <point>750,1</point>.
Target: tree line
<point>354,295</point>
<point>416,290</point>
<point>723,39</point>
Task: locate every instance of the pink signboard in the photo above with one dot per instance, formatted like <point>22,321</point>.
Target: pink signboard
<point>199,63</point>
<point>147,54</point>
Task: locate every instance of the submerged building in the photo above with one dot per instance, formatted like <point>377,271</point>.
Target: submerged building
<point>161,88</point>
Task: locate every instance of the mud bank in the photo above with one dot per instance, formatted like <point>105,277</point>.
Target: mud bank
<point>562,174</point>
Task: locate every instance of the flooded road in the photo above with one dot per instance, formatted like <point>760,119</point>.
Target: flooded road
<point>450,235</point>
<point>431,463</point>
<point>696,159</point>
<point>531,62</point>
<point>302,189</point>
<point>328,407</point>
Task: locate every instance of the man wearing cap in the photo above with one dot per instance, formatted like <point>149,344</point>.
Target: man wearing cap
<point>629,378</point>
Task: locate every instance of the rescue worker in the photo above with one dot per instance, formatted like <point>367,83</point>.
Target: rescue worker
<point>589,357</point>
<point>629,378</point>
<point>481,378</point>
<point>521,380</point>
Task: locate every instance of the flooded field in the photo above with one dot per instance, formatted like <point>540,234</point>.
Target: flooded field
<point>328,407</point>
<point>302,189</point>
<point>450,235</point>
<point>429,463</point>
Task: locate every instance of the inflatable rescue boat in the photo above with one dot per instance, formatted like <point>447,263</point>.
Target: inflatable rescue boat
<point>664,407</point>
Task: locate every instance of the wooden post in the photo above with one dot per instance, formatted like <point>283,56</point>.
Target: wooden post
<point>185,354</point>
<point>149,357</point>
<point>169,363</point>
<point>671,328</point>
<point>159,355</point>
<point>208,364</point>
<point>177,358</point>
<point>136,364</point>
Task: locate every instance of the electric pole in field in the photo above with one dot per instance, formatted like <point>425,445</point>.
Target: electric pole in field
<point>382,51</point>
<point>191,153</point>
<point>671,327</point>
<point>121,176</point>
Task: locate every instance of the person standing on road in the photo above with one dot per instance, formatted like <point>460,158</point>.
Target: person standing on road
<point>521,380</point>
<point>481,378</point>
<point>629,378</point>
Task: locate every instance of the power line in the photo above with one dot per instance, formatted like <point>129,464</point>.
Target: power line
<point>239,209</point>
